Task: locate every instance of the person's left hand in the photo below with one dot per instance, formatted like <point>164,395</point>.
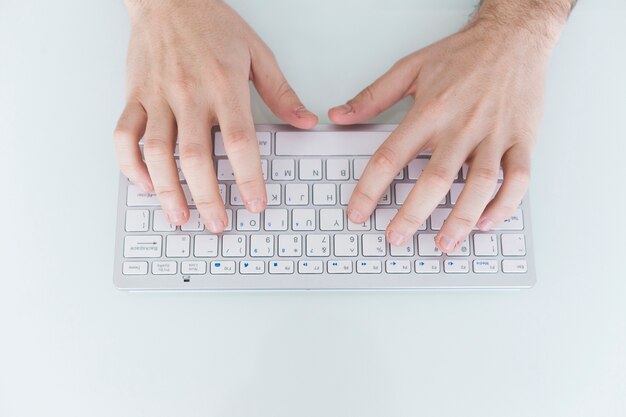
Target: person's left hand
<point>478,98</point>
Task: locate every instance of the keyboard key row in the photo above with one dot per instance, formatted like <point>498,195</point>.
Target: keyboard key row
<point>308,266</point>
<point>303,219</point>
<point>312,245</point>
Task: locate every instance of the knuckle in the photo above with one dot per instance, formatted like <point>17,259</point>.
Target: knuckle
<point>460,219</point>
<point>365,196</point>
<point>167,194</point>
<point>519,175</point>
<point>237,140</point>
<point>411,219</point>
<point>193,154</point>
<point>284,90</point>
<point>157,150</point>
<point>484,178</point>
<point>384,160</point>
<point>437,178</point>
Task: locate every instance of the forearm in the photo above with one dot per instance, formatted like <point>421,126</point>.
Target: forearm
<point>541,19</point>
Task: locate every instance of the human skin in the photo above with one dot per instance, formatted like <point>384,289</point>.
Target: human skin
<point>478,97</point>
<point>189,66</point>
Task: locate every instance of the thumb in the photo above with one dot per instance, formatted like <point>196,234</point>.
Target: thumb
<point>383,93</point>
<point>276,91</point>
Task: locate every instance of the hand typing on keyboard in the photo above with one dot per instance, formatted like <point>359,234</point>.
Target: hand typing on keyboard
<point>478,98</point>
<point>189,63</point>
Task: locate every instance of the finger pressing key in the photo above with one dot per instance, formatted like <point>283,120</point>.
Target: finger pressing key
<point>432,185</point>
<point>235,119</point>
<point>194,132</point>
<point>477,192</point>
<point>159,142</point>
<point>516,167</point>
<point>402,145</point>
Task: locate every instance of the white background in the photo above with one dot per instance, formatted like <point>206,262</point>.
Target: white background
<point>72,345</point>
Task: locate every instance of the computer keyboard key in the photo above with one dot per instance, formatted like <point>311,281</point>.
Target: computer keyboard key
<point>317,245</point>
<point>289,245</point>
<point>455,192</point>
<point>438,216</point>
<point>261,245</point>
<point>233,246</point>
<point>251,267</point>
<point>137,198</point>
<point>374,244</point>
<point>427,266</point>
<point>248,221</point>
<point>205,246</point>
<point>346,143</point>
<point>403,250</point>
<point>235,196</point>
<point>485,244</point>
<point>398,266</point>
<point>307,266</point>
<point>193,268</point>
<point>365,226</point>
<point>331,219</point>
<point>345,192</point>
<point>274,195</point>
<point>303,219</point>
<point>177,246</point>
<point>485,266</point>
<point>223,267</point>
<point>297,194</point>
<point>137,220</point>
<point>339,267</point>
<point>145,246</point>
<point>514,266</point>
<point>310,169</point>
<point>358,167</point>
<point>416,167</point>
<point>164,268</point>
<point>324,194</point>
<point>222,190</point>
<point>276,219</point>
<point>346,245</point>
<point>225,170</point>
<point>281,267</point>
<point>456,266</point>
<point>229,217</point>
<point>337,169</point>
<point>369,266</point>
<point>135,268</point>
<point>194,224</point>
<point>263,138</point>
<point>160,223</point>
<point>283,169</point>
<point>515,222</point>
<point>383,217</point>
<point>513,244</point>
<point>426,245</point>
<point>462,250</point>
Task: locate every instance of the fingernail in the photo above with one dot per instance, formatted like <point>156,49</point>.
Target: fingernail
<point>176,217</point>
<point>255,206</point>
<point>396,238</point>
<point>303,111</point>
<point>215,226</point>
<point>446,243</point>
<point>485,225</point>
<point>356,216</point>
<point>344,108</point>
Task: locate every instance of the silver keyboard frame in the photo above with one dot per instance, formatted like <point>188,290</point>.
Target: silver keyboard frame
<point>324,281</point>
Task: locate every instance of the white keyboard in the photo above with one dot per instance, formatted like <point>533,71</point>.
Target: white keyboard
<point>303,240</point>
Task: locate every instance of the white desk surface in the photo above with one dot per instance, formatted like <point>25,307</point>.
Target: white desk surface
<point>72,345</point>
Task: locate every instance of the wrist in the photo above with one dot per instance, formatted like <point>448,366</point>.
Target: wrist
<point>537,22</point>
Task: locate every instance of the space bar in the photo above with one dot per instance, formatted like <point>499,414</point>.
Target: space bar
<point>328,143</point>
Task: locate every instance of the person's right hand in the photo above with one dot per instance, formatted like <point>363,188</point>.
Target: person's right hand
<point>189,63</point>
